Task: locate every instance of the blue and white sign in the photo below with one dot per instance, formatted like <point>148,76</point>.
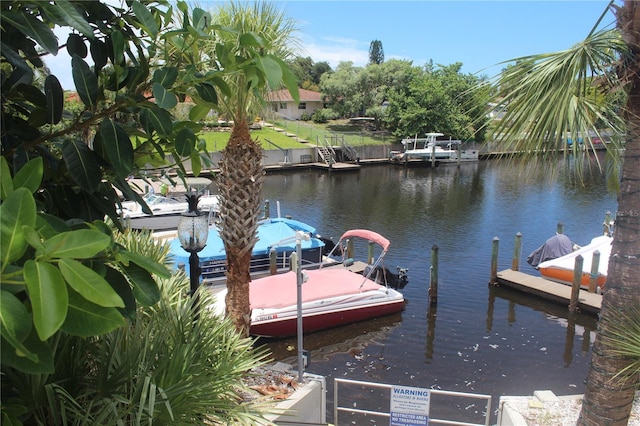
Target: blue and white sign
<point>409,406</point>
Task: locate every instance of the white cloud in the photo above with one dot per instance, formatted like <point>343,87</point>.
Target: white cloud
<point>334,50</point>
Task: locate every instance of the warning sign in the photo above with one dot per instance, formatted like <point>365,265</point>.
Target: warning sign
<point>409,406</point>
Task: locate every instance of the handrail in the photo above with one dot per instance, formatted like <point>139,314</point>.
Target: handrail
<point>284,150</point>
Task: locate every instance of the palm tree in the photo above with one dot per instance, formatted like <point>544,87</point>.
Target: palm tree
<point>263,37</point>
<point>555,98</point>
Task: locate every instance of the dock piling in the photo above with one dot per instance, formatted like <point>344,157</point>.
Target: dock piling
<point>560,228</point>
<point>433,285</point>
<point>575,288</point>
<point>595,267</point>
<point>493,279</point>
<point>517,248</point>
<point>273,259</point>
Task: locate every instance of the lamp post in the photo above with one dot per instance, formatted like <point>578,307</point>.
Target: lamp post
<point>193,230</point>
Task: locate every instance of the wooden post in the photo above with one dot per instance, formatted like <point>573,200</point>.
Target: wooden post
<point>575,288</point>
<point>607,224</point>
<point>517,248</point>
<point>433,155</point>
<point>370,253</point>
<point>493,279</point>
<point>560,228</point>
<point>273,259</point>
<point>267,213</point>
<point>595,266</point>
<point>350,248</point>
<point>433,285</point>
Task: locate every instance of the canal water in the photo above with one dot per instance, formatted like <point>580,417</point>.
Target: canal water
<point>476,339</point>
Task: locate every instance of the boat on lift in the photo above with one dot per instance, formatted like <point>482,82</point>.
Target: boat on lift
<point>431,149</point>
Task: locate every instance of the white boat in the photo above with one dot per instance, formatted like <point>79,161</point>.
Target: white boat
<point>166,211</point>
<point>561,269</point>
<point>430,149</point>
<point>335,294</point>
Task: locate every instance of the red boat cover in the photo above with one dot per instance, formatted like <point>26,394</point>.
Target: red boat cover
<point>368,235</point>
<point>278,291</point>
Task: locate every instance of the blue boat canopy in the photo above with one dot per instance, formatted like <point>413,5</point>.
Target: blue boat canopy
<point>270,232</point>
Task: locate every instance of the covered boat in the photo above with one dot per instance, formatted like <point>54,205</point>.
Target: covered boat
<point>277,234</point>
<point>337,293</point>
<point>554,247</point>
<point>561,268</point>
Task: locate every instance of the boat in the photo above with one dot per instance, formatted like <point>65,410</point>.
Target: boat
<point>166,211</point>
<point>561,269</point>
<point>431,149</point>
<point>274,234</point>
<point>555,247</point>
<point>338,292</point>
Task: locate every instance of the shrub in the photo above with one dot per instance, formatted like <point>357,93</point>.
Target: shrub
<point>323,115</point>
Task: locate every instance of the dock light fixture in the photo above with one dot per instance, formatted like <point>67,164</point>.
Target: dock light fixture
<point>193,230</point>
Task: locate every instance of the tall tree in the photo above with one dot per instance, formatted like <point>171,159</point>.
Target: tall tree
<point>546,102</point>
<point>61,269</point>
<point>257,51</point>
<point>376,53</point>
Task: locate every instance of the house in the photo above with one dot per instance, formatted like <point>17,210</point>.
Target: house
<point>283,104</point>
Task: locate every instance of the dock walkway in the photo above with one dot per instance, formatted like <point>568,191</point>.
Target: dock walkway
<point>550,290</point>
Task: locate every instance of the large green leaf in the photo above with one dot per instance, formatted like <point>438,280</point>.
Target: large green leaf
<point>251,39</point>
<point>290,80</point>
<point>89,284</point>
<point>18,210</point>
<point>272,71</point>
<point>15,323</point>
<point>48,296</point>
<point>117,47</point>
<point>157,119</point>
<point>207,92</point>
<point>185,142</point>
<point>123,288</point>
<point>55,99</point>
<point>166,76</point>
<point>164,98</point>
<point>86,319</point>
<point>30,175</point>
<point>44,363</point>
<point>82,164</point>
<point>6,183</point>
<point>77,244</point>
<point>145,289</point>
<point>117,145</point>
<point>74,18</point>
<point>86,81</point>
<point>32,27</point>
<point>143,261</point>
<point>99,55</point>
<point>146,18</point>
<point>76,45</point>
<point>198,112</point>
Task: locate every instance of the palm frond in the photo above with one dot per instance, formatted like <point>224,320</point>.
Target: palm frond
<point>623,339</point>
<point>549,98</point>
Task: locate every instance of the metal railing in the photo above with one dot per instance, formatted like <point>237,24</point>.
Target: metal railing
<point>387,415</point>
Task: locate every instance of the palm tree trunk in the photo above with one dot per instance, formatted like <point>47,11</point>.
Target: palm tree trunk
<point>240,185</point>
<point>608,400</point>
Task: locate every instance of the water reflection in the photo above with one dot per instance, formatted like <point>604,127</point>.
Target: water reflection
<point>477,339</point>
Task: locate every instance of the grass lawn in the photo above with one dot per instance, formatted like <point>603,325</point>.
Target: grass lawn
<point>315,133</point>
<point>216,141</point>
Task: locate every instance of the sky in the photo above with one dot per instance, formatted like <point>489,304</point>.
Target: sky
<point>479,34</point>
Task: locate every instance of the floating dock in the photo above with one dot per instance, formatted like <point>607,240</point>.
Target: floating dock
<point>550,290</point>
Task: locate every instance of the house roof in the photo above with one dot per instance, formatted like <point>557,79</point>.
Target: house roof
<point>285,96</point>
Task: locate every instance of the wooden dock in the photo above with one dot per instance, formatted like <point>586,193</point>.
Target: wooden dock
<point>550,290</point>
